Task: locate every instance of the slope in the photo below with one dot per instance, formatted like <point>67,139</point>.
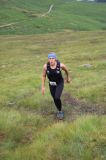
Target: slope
<point>29,17</point>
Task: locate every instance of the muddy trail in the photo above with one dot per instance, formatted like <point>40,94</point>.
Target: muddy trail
<point>77,108</point>
<point>74,108</point>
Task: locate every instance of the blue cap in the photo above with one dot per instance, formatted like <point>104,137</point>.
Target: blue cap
<point>52,55</point>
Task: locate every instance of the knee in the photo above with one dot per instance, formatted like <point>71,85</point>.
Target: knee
<point>56,98</point>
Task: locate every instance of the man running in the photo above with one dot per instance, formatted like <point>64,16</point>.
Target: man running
<point>56,82</point>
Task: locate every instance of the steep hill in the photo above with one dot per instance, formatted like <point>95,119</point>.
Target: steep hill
<point>43,16</point>
<point>29,129</point>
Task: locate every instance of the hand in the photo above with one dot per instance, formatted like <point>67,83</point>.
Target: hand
<point>43,90</point>
<point>68,80</point>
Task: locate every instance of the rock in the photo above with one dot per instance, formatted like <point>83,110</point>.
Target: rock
<point>86,65</point>
<point>3,66</point>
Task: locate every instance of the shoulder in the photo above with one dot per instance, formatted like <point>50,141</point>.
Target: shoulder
<point>44,66</point>
<point>62,65</point>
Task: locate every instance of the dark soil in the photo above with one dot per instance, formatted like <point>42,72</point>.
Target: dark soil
<point>2,136</point>
<point>77,108</point>
<point>73,108</point>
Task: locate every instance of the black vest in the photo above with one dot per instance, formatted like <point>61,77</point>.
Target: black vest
<point>54,75</point>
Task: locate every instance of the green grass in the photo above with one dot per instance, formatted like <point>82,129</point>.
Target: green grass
<point>28,130</point>
<point>84,139</point>
<point>18,129</point>
<point>23,57</point>
<point>64,16</point>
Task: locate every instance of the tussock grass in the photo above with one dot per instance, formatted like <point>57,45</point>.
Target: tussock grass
<point>28,130</point>
<point>84,139</point>
<point>23,57</point>
<point>18,128</point>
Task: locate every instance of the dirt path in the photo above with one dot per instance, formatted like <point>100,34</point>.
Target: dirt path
<point>50,9</point>
<point>8,25</point>
<point>75,108</point>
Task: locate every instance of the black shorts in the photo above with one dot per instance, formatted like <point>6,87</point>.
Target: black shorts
<point>56,90</point>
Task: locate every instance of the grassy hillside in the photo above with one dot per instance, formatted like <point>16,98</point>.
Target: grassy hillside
<point>22,58</point>
<point>33,138</point>
<point>28,127</point>
<point>28,17</point>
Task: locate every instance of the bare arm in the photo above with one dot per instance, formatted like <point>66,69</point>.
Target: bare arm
<point>43,78</point>
<point>63,67</point>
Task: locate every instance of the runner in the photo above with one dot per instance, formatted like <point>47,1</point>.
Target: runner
<point>56,82</point>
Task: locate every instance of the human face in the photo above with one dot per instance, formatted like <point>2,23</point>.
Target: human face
<point>52,61</point>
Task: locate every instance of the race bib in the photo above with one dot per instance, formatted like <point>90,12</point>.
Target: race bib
<point>52,83</point>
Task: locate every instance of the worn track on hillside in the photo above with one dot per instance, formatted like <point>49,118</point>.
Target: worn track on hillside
<point>74,108</point>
